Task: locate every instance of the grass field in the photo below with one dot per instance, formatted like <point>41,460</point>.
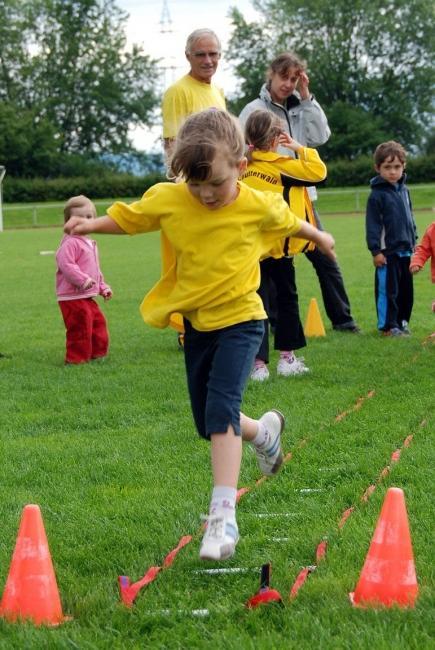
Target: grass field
<point>109,452</point>
<point>330,201</point>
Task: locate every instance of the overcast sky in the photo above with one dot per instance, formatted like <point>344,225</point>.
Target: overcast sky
<point>166,39</point>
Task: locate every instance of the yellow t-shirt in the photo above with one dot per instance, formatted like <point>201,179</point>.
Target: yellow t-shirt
<point>289,176</point>
<point>185,97</point>
<point>210,272</point>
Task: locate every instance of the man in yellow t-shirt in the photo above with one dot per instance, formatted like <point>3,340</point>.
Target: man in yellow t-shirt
<point>192,93</point>
<point>195,91</point>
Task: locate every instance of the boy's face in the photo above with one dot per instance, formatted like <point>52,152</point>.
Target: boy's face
<point>221,188</point>
<point>391,170</point>
<point>85,210</point>
<point>283,85</point>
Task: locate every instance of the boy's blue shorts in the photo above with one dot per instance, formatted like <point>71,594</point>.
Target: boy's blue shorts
<point>218,364</point>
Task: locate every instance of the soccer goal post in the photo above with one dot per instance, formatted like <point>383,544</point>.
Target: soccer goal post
<point>2,173</point>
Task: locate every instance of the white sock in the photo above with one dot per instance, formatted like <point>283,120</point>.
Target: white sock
<point>223,501</point>
<point>288,355</point>
<point>262,438</point>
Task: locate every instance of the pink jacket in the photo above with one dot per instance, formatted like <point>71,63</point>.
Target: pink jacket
<point>425,250</point>
<point>77,261</point>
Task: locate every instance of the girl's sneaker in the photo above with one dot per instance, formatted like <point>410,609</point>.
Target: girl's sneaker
<point>269,455</point>
<point>291,366</point>
<point>260,371</point>
<point>220,538</point>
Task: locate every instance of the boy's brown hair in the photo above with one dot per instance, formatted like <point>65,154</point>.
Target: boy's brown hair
<point>388,151</point>
<point>201,137</point>
<point>77,202</point>
<point>261,128</point>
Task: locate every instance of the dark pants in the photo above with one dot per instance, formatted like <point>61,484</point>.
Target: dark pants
<point>289,333</point>
<point>335,299</point>
<point>394,292</point>
<point>218,364</point>
<point>334,294</point>
<point>86,330</point>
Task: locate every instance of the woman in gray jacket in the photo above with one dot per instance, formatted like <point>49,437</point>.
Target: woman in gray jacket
<point>307,123</point>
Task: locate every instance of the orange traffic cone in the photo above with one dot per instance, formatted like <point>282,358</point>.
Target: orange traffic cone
<point>31,589</point>
<point>388,576</point>
<point>313,324</point>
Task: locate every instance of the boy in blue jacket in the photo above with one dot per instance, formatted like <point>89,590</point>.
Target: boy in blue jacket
<point>391,235</point>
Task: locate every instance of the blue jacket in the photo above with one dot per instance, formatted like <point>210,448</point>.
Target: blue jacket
<point>390,226</point>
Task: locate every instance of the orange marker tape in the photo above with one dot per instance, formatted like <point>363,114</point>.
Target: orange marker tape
<point>345,516</point>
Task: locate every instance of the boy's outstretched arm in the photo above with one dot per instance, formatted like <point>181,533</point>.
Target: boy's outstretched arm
<point>323,240</point>
<point>104,225</point>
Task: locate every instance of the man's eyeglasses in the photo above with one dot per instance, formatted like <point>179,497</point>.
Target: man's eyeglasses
<point>204,55</point>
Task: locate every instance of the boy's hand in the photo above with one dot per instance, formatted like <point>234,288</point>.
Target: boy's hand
<point>78,226</point>
<point>326,244</point>
<point>107,294</point>
<point>379,260</point>
<point>414,269</point>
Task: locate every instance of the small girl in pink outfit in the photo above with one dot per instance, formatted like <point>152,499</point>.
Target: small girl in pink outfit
<point>422,253</point>
<point>78,281</point>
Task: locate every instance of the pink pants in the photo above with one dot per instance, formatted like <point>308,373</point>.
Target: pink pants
<point>86,331</point>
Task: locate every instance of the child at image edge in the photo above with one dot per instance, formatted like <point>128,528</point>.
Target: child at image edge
<point>391,235</point>
<point>424,251</point>
<point>216,230</point>
<point>78,281</point>
<point>269,170</point>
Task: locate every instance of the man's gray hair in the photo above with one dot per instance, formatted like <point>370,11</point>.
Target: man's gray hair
<point>200,33</point>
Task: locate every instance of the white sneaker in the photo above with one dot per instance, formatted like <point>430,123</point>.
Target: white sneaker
<point>260,373</point>
<point>220,538</point>
<point>296,366</point>
<point>270,458</point>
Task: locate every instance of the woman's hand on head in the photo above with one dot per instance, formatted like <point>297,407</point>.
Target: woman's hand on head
<point>303,83</point>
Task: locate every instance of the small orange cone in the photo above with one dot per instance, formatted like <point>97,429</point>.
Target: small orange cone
<point>314,325</point>
<point>31,590</point>
<point>388,576</point>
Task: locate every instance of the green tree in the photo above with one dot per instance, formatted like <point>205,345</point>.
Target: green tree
<point>16,26</point>
<point>249,52</point>
<point>26,142</point>
<point>67,61</point>
<point>371,62</point>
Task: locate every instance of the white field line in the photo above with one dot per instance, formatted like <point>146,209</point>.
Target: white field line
<point>269,515</point>
<point>200,613</point>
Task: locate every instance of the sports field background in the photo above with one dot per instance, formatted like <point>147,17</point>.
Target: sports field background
<point>109,452</point>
